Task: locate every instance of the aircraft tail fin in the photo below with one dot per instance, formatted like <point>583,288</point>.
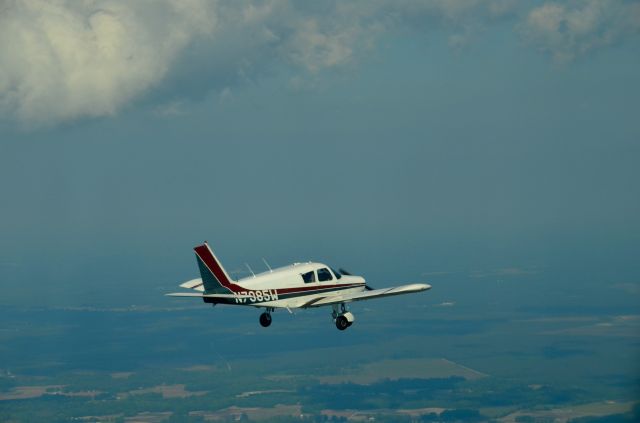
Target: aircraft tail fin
<point>214,278</point>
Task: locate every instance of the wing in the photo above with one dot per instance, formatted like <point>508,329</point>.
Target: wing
<point>366,295</point>
<point>302,302</point>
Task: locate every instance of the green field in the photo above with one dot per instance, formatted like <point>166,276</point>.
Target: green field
<point>176,365</point>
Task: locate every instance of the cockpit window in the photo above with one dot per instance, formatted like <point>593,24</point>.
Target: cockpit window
<point>335,272</point>
<point>324,275</point>
<point>309,277</point>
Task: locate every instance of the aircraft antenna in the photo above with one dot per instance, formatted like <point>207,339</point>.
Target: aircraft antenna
<point>265,262</point>
<point>250,270</point>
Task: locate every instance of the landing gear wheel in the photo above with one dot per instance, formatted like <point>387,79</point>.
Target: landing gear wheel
<point>342,323</point>
<point>265,319</point>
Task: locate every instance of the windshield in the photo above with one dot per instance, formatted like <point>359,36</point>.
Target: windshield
<point>335,272</point>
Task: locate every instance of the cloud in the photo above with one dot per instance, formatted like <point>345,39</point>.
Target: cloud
<point>173,108</point>
<point>61,60</point>
<point>628,287</point>
<point>572,29</point>
<point>505,272</point>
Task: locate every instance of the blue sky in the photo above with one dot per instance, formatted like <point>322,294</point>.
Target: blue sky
<point>397,138</point>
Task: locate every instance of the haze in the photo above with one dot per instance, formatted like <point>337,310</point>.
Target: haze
<point>488,148</point>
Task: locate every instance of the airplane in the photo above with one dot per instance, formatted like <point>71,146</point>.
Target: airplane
<point>299,285</point>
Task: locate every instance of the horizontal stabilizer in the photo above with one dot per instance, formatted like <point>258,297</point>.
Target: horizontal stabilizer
<point>197,295</point>
<point>193,284</point>
<point>184,294</point>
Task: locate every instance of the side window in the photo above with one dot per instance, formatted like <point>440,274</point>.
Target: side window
<point>324,275</point>
<point>309,277</point>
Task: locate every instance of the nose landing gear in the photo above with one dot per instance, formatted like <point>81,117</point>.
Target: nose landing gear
<point>342,316</point>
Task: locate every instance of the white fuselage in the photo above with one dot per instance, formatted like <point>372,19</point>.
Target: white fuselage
<point>290,287</point>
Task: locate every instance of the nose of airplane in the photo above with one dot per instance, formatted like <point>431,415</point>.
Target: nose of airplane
<point>357,279</point>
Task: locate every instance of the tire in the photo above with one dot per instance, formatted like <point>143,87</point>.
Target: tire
<point>342,323</point>
<point>265,319</point>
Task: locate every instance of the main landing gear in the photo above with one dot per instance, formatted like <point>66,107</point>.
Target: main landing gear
<point>265,318</point>
<point>342,316</point>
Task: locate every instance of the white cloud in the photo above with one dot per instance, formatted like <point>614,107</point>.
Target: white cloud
<point>571,29</point>
<point>62,60</point>
<point>170,109</point>
<point>65,59</point>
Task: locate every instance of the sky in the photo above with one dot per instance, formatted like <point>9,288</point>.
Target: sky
<point>400,139</point>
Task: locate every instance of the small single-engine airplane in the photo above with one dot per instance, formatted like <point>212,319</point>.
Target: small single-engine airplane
<point>299,285</point>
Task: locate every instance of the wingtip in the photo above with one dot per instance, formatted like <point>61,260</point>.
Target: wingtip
<point>421,286</point>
